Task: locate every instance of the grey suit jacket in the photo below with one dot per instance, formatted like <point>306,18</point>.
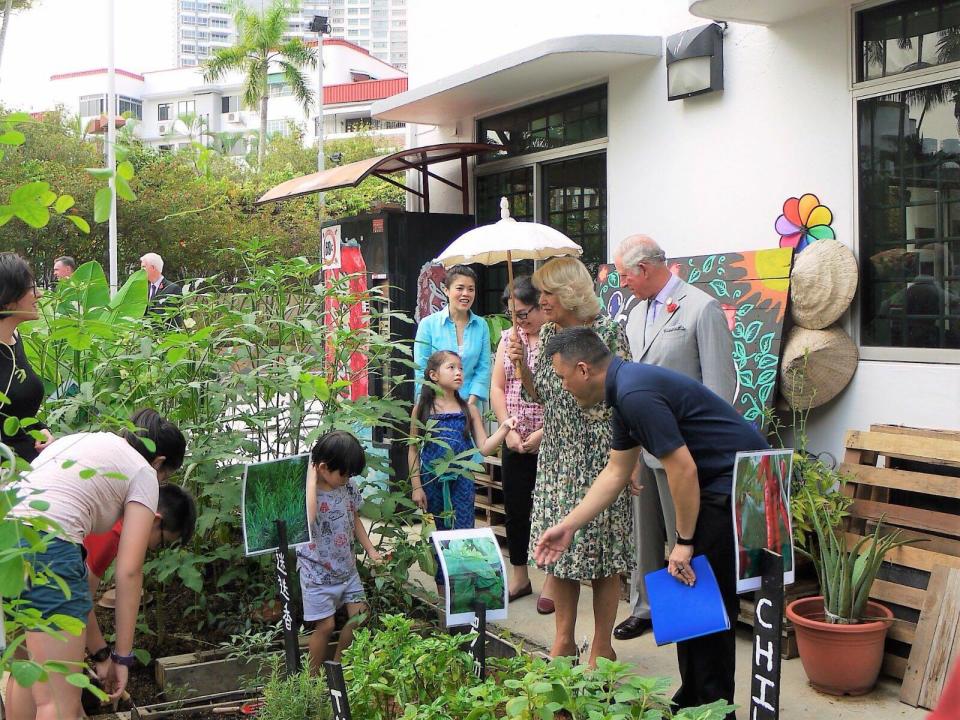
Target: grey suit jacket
<point>694,340</point>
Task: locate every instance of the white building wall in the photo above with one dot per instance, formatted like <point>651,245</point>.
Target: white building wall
<point>710,174</point>
<point>186,84</point>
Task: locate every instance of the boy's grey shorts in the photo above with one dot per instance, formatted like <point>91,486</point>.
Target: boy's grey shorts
<point>322,601</point>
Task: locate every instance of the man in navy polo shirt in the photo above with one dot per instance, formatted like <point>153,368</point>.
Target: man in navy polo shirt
<point>696,436</point>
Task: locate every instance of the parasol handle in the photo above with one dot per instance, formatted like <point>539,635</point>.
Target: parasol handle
<point>513,309</point>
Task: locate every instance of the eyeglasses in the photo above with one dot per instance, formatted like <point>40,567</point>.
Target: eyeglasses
<point>524,314</point>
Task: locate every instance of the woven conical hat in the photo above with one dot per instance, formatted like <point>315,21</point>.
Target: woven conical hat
<point>822,283</point>
<point>816,365</point>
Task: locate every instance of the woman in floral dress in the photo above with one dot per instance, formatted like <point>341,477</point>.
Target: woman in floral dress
<point>575,448</point>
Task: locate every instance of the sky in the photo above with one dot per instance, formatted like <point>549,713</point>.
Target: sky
<point>61,36</point>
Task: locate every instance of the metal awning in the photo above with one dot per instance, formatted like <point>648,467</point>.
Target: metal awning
<point>766,12</point>
<point>518,77</point>
<point>354,173</point>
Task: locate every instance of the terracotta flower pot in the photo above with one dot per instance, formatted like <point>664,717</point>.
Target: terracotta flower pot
<point>839,659</point>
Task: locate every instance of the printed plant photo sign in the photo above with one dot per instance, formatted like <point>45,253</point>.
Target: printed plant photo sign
<point>275,490</point>
<point>761,514</point>
<point>473,571</point>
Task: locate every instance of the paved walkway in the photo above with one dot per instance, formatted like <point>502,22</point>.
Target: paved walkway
<point>797,699</point>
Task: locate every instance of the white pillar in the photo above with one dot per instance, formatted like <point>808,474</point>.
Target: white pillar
<point>320,158</point>
<point>111,142</point>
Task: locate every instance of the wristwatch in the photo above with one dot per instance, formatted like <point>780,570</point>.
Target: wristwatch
<point>125,660</point>
<point>101,655</point>
<point>683,540</point>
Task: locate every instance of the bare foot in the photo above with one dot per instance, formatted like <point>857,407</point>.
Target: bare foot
<point>609,655</point>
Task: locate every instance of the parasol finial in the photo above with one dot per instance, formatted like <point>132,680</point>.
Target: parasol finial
<point>504,208</point>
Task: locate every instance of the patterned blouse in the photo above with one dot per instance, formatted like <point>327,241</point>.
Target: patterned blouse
<point>529,415</point>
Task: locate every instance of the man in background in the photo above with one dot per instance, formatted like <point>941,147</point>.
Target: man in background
<point>63,267</point>
<point>159,289</point>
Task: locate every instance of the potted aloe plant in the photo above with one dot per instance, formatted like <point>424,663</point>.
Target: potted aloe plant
<point>841,633</point>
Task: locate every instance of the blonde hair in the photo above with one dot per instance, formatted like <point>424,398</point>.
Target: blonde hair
<point>570,281</point>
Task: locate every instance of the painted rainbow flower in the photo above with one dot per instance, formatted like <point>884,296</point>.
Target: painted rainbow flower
<point>804,221</point>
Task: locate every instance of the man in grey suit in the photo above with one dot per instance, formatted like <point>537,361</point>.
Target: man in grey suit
<point>677,326</point>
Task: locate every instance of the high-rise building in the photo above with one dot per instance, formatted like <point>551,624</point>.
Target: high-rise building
<point>379,26</point>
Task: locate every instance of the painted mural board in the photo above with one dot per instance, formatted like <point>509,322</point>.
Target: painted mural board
<point>752,287</point>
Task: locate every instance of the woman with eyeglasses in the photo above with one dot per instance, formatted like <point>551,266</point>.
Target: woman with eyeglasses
<point>87,482</point>
<point>21,386</point>
<point>522,445</point>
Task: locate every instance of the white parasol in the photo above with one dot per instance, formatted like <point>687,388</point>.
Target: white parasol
<point>507,240</point>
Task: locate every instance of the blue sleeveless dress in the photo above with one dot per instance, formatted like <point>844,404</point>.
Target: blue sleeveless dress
<point>450,496</point>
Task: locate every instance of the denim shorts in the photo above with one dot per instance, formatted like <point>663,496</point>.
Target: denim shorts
<point>65,560</point>
<point>322,601</point>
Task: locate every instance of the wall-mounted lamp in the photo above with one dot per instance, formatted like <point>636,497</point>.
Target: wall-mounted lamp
<point>319,24</point>
<point>695,62</point>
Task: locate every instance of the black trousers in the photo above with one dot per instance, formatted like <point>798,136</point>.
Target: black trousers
<point>519,477</point>
<point>707,664</point>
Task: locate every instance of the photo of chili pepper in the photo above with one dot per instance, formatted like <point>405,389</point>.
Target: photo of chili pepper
<point>761,513</point>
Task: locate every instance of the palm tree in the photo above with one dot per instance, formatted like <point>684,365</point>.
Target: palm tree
<point>259,44</point>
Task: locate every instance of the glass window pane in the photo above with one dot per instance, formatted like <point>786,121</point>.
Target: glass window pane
<point>909,167</point>
<point>548,124</point>
<point>573,185</point>
<point>908,35</point>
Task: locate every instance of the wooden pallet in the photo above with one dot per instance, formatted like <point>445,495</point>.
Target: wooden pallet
<point>489,498</point>
<point>922,501</point>
<point>936,645</point>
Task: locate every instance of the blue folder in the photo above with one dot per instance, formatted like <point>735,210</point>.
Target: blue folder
<point>680,612</point>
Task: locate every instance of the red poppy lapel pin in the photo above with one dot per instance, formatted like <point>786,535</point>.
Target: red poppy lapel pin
<point>671,306</point>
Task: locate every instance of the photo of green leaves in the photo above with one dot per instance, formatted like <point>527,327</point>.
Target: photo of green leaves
<point>474,571</point>
<point>275,490</point>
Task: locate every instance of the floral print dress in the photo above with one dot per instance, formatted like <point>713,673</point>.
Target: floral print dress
<point>575,448</point>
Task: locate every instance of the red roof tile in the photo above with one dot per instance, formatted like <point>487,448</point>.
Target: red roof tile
<point>363,91</point>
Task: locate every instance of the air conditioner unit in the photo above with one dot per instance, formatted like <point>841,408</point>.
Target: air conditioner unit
<point>233,117</point>
<point>163,128</point>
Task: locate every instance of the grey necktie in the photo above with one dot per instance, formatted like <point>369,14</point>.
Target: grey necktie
<point>651,317</point>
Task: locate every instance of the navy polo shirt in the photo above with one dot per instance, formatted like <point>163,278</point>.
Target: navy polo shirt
<point>662,410</point>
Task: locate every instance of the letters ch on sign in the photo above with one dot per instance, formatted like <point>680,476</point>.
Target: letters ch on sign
<point>765,670</point>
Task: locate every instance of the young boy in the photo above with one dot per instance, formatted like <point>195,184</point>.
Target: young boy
<point>328,566</point>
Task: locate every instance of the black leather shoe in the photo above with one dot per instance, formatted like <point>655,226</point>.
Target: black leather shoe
<point>632,627</point>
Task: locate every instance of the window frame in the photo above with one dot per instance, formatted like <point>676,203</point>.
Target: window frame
<point>537,161</point>
<point>866,90</point>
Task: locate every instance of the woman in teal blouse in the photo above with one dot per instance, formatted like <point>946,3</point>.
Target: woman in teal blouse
<point>458,329</point>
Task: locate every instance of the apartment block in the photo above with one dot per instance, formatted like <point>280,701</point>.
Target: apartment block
<point>379,26</point>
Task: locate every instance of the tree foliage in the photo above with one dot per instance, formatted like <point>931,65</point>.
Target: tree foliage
<point>260,45</point>
<point>189,205</point>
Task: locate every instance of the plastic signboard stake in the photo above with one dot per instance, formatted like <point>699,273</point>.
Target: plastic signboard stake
<point>338,691</point>
<point>290,646</point>
<point>765,665</point>
<point>478,648</point>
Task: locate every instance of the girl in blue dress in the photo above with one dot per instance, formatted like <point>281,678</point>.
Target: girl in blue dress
<point>450,426</point>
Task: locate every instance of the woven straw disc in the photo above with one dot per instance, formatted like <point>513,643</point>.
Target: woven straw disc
<point>822,283</point>
<point>816,365</point>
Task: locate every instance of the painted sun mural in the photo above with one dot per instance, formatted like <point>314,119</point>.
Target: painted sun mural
<point>752,288</point>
